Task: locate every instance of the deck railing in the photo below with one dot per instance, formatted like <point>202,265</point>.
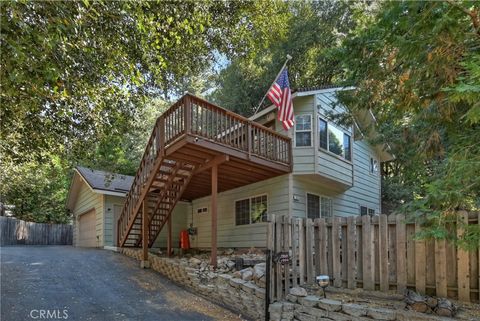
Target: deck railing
<point>197,117</point>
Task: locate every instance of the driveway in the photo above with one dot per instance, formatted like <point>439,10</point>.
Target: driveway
<point>63,282</point>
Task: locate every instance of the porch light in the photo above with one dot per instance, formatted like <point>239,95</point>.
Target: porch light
<point>323,281</point>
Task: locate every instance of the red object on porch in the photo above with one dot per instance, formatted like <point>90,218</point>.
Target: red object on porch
<point>184,240</point>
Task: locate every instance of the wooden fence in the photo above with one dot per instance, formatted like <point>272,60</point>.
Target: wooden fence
<point>14,232</point>
<point>373,253</point>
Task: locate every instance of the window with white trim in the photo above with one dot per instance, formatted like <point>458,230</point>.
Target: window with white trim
<point>364,210</point>
<point>303,130</point>
<point>373,166</point>
<point>251,210</point>
<point>202,210</point>
<point>318,206</point>
<point>334,139</point>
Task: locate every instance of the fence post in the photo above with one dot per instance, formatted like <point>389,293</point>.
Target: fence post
<point>383,252</point>
<point>368,251</point>
<point>419,262</point>
<point>351,264</point>
<point>400,234</point>
<point>337,277</point>
<point>463,261</point>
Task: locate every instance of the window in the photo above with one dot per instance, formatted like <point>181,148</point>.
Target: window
<point>363,210</point>
<point>373,165</point>
<point>251,210</point>
<point>322,135</point>
<point>318,206</point>
<point>303,130</point>
<point>326,209</point>
<point>347,152</point>
<point>334,139</point>
<point>242,212</point>
<point>313,206</point>
<point>202,210</point>
<point>366,211</point>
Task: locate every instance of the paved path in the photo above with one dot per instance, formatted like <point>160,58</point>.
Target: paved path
<point>91,284</point>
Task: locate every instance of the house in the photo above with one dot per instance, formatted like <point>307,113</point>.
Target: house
<point>218,173</point>
<point>335,172</point>
<point>96,200</point>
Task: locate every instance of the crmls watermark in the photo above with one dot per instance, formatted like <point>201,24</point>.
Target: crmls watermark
<point>48,314</point>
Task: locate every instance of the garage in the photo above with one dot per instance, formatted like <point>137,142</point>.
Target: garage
<point>86,228</point>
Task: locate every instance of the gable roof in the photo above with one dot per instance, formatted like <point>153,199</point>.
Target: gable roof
<point>99,182</point>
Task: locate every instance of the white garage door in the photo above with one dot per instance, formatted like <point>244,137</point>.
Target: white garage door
<point>86,230</point>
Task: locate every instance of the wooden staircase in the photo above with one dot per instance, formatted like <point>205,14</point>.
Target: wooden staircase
<point>193,137</point>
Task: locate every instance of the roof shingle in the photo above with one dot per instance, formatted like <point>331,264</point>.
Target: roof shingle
<point>106,181</point>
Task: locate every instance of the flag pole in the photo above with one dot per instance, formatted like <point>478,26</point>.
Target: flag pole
<point>265,96</point>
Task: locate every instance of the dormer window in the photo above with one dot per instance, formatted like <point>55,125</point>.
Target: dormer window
<point>303,131</point>
<point>334,139</point>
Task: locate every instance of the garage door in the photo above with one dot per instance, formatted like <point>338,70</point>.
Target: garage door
<point>86,230</point>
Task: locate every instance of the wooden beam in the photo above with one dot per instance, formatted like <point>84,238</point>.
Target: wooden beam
<point>213,260</point>
<point>169,236</point>
<point>145,230</point>
<point>217,160</point>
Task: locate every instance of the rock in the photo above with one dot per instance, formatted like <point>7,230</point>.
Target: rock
<point>236,283</point>
<point>276,307</point>
<point>237,274</point>
<point>304,317</point>
<point>259,270</point>
<point>292,298</point>
<point>247,275</point>
<point>298,291</point>
<point>381,314</point>
<point>194,261</point>
<point>309,301</point>
<point>330,305</point>
<point>355,310</point>
<point>229,252</point>
<point>287,306</point>
<point>230,264</point>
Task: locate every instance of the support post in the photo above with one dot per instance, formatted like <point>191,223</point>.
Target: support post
<point>144,263</point>
<point>169,236</point>
<point>213,259</point>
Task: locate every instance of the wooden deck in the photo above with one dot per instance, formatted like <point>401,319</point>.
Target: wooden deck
<point>197,149</point>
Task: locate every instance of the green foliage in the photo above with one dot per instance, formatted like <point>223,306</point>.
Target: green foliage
<point>416,65</point>
<point>78,79</point>
<point>36,190</point>
<point>308,31</point>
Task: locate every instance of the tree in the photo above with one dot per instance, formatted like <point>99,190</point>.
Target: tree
<point>308,31</point>
<point>77,79</point>
<point>415,64</point>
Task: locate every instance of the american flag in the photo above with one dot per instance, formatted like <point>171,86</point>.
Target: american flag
<point>281,96</point>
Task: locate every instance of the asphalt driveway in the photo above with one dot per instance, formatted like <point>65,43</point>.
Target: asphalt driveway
<point>63,282</point>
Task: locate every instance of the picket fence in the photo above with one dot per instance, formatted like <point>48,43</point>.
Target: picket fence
<point>371,252</point>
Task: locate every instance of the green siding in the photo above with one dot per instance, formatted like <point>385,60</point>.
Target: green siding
<point>179,223</point>
<point>86,200</point>
<point>303,156</point>
<point>230,235</point>
<point>110,202</point>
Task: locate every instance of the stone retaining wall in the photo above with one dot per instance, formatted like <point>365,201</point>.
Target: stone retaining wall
<point>314,308</point>
<point>241,296</point>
